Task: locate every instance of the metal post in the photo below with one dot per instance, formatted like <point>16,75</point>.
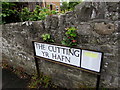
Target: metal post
<point>99,76</point>
<point>36,61</point>
<point>37,67</point>
<point>98,82</point>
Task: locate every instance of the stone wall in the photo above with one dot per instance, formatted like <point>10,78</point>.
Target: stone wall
<point>98,29</point>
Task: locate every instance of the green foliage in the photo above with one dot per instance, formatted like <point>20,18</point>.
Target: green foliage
<point>68,6</point>
<point>25,14</point>
<point>72,5</point>
<point>9,13</point>
<point>70,37</point>
<point>37,14</point>
<point>43,81</point>
<point>47,38</point>
<point>12,12</point>
<point>64,6</point>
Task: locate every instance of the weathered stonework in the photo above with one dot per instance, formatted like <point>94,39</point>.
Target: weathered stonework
<point>103,28</point>
<point>98,29</point>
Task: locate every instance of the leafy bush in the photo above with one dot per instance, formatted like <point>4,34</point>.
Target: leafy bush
<point>41,14</point>
<point>70,37</point>
<point>68,6</point>
<point>47,38</point>
<point>64,6</point>
<point>9,13</point>
<point>73,4</point>
<point>12,12</point>
<point>25,14</point>
<point>37,14</point>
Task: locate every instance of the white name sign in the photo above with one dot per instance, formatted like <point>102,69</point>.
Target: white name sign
<point>62,54</point>
<point>86,59</point>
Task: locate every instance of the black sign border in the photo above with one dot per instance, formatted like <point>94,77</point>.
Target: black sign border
<point>68,65</point>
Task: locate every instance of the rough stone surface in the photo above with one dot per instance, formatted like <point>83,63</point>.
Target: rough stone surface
<point>97,26</point>
<point>103,28</point>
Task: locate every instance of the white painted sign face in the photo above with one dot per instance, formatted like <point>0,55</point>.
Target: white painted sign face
<point>62,54</point>
<point>91,60</point>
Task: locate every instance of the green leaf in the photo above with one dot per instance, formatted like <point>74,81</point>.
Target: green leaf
<point>73,35</point>
<point>68,32</point>
<point>48,36</point>
<point>52,41</point>
<point>63,42</point>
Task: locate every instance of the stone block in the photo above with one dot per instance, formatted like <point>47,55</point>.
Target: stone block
<point>103,28</point>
